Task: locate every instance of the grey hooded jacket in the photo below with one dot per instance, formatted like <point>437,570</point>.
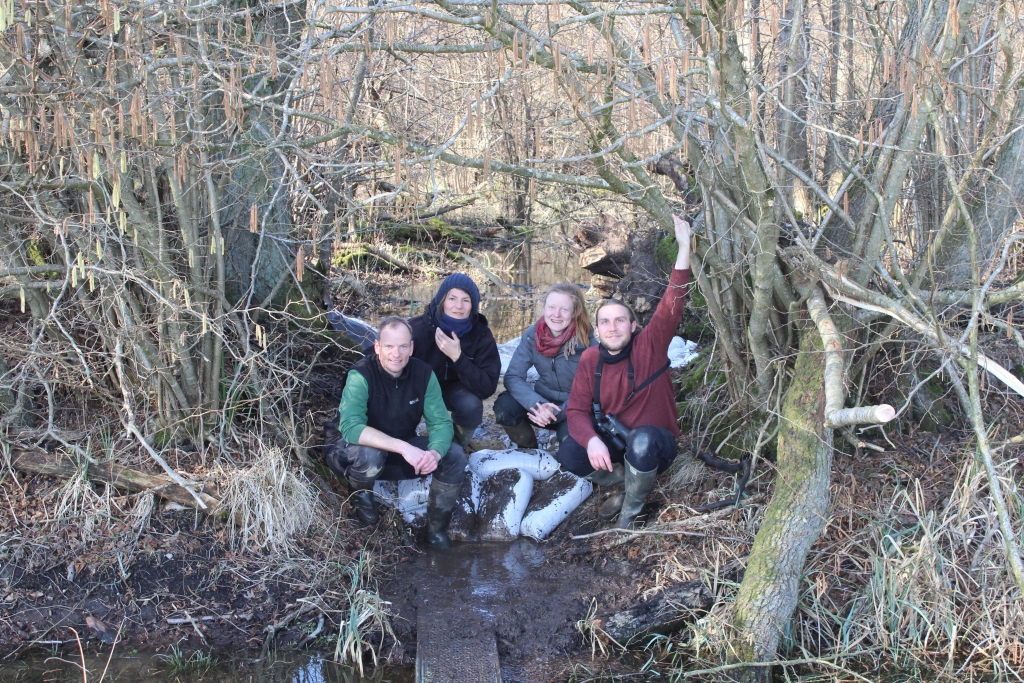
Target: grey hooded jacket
<point>556,374</point>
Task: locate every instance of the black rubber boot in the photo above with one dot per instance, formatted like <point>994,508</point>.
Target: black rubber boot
<point>638,484</point>
<point>462,436</point>
<point>440,503</point>
<point>363,501</point>
<point>522,435</point>
<point>611,506</point>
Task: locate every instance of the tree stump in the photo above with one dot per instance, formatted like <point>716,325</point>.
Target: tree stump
<point>622,259</point>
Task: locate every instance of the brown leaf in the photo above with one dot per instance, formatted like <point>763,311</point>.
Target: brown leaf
<point>102,631</point>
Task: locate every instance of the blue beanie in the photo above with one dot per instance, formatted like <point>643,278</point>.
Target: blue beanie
<point>458,281</point>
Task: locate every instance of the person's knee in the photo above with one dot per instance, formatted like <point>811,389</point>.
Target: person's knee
<point>507,411</point>
<point>366,462</point>
<point>573,458</point>
<point>452,468</point>
<point>467,409</point>
<point>645,448</point>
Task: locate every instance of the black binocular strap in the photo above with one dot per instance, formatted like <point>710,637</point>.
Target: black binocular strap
<point>632,391</point>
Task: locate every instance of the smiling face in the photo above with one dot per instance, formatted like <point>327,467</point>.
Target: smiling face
<point>558,310</point>
<point>614,327</point>
<point>457,304</point>
<point>394,349</point>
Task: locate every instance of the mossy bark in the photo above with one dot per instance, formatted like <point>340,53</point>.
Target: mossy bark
<point>795,517</point>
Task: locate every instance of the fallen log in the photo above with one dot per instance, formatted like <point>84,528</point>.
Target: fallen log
<point>118,476</point>
<point>666,612</point>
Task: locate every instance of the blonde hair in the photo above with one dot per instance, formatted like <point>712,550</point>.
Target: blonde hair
<point>580,316</point>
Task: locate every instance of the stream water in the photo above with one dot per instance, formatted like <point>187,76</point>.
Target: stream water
<point>157,668</point>
<point>490,590</point>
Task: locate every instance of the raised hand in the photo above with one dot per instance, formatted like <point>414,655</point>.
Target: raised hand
<point>449,346</point>
<point>682,230</point>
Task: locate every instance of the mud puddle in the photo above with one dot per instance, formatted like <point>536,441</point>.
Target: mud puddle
<point>195,667</point>
<point>529,601</point>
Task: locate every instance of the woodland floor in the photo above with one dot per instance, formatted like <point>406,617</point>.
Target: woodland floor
<point>175,581</point>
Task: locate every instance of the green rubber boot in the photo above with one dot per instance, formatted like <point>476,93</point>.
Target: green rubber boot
<point>462,436</point>
<point>522,435</point>
<point>440,503</point>
<point>611,505</point>
<point>638,485</point>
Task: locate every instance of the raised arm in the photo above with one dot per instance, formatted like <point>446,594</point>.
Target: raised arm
<point>669,313</point>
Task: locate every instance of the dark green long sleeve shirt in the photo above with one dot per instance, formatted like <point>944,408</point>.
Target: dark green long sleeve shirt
<point>353,412</point>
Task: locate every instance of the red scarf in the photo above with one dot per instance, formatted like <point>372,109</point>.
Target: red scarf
<point>547,344</point>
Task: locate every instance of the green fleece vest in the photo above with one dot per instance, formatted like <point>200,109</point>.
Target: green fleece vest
<point>395,404</point>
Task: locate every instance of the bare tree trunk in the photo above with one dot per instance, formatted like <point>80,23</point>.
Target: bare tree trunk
<point>795,518</point>
<point>993,212</point>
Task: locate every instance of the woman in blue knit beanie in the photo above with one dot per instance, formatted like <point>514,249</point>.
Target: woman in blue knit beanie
<point>454,338</point>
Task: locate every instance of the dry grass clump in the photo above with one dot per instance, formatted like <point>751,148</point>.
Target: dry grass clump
<point>367,615</point>
<point>911,575</point>
<point>268,503</point>
<point>939,591</point>
<point>78,504</point>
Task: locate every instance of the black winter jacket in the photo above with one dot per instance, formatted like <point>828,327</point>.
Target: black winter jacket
<point>479,365</point>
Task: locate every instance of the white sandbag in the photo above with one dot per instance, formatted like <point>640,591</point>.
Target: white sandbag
<point>408,496</point>
<point>504,497</point>
<point>537,464</point>
<point>505,353</point>
<point>552,502</point>
<point>462,526</point>
<point>681,352</point>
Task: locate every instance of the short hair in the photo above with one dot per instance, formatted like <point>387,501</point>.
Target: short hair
<point>616,302</point>
<point>393,321</point>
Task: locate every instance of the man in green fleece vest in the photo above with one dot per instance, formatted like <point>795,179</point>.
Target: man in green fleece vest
<point>385,395</point>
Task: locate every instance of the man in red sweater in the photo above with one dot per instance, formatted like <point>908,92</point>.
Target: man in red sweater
<point>629,370</point>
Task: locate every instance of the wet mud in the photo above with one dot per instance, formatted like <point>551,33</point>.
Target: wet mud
<point>498,493</point>
<point>530,602</point>
<point>131,667</point>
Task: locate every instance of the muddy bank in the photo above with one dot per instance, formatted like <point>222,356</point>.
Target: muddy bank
<point>184,587</point>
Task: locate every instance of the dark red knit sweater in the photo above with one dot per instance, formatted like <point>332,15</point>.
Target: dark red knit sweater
<point>656,404</point>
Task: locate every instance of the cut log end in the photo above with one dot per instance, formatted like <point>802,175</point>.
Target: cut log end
<point>664,613</point>
<point>846,417</point>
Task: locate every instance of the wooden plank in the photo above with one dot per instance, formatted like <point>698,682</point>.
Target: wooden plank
<point>118,476</point>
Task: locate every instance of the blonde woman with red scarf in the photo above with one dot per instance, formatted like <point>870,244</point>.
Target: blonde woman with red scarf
<point>553,346</point>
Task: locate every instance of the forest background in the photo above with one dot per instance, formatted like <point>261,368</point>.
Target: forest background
<point>180,183</point>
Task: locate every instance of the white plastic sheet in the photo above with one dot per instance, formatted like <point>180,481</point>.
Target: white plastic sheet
<point>408,496</point>
<point>681,352</point>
